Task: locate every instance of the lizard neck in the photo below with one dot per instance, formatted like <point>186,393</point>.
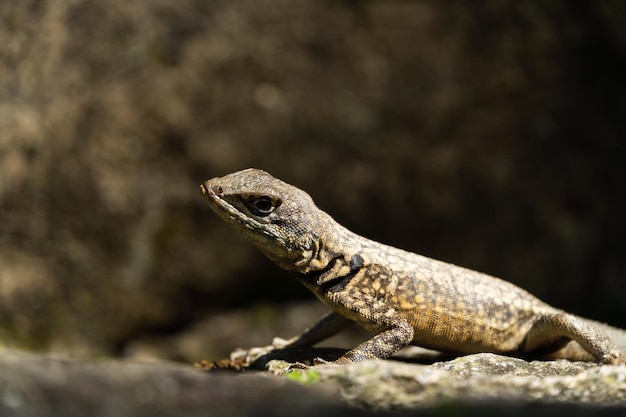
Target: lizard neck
<point>334,257</point>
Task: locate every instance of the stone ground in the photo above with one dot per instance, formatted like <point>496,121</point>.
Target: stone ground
<point>481,384</point>
<point>490,137</point>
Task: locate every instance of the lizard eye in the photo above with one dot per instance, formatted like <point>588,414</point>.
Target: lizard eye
<point>263,206</point>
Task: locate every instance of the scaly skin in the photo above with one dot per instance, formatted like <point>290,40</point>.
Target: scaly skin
<point>402,297</point>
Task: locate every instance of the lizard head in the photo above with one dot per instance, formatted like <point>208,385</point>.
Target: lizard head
<point>280,219</point>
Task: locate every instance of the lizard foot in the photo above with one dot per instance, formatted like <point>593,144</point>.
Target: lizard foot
<point>614,357</point>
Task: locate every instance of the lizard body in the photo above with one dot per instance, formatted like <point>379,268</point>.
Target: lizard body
<point>402,297</point>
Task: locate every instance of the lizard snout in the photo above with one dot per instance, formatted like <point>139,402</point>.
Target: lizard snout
<point>207,188</point>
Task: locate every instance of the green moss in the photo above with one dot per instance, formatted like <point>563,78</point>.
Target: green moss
<point>307,377</point>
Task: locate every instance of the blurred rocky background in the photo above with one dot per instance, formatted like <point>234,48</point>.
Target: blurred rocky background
<point>488,134</point>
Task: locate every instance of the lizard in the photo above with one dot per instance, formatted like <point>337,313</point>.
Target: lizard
<point>403,298</point>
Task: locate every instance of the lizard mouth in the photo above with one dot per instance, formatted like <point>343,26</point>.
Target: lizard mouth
<point>214,196</point>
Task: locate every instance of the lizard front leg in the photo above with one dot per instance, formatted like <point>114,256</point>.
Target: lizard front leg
<point>372,313</point>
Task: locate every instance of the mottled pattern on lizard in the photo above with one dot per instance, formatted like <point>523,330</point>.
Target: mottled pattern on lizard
<point>402,297</point>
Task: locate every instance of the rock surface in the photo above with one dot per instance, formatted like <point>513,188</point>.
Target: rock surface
<point>482,384</point>
<point>32,385</point>
<point>479,377</point>
<point>490,137</point>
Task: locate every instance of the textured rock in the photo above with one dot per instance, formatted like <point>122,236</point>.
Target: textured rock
<point>481,385</point>
<point>490,136</point>
<point>408,382</point>
<point>487,136</point>
<point>384,384</point>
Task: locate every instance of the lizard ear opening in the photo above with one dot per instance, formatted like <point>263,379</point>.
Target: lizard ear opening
<point>262,205</point>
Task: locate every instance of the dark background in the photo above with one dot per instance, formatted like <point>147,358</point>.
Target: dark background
<point>488,134</point>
